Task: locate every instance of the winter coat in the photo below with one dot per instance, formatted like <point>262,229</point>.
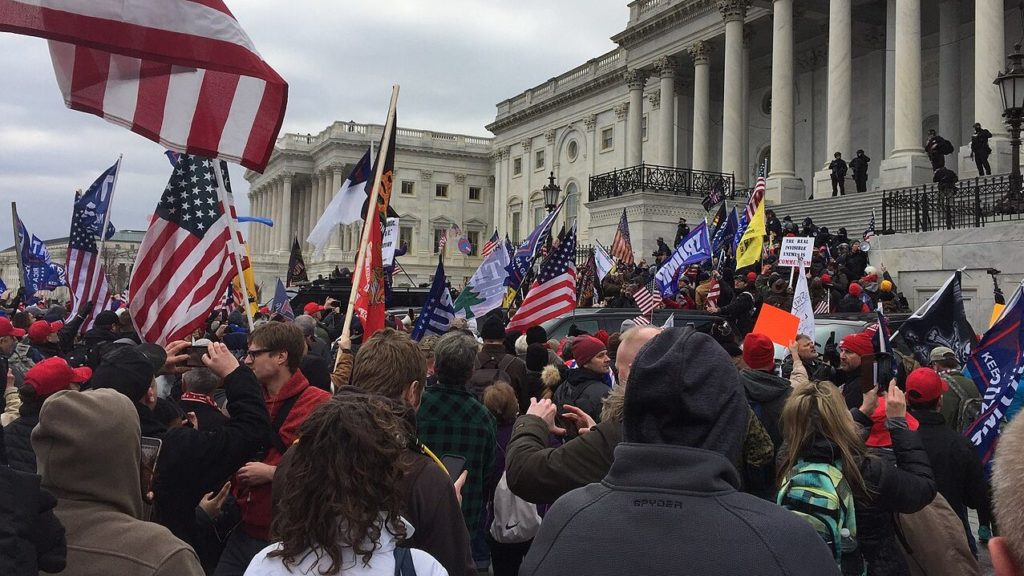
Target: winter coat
<point>194,462</point>
<point>18,439</point>
<point>816,369</point>
<point>98,489</point>
<point>767,394</point>
<point>31,537</point>
<point>490,356</point>
<point>645,504</point>
<point>583,389</point>
<point>936,545</point>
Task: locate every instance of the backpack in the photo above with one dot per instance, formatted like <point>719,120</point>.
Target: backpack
<point>818,493</point>
<point>945,147</point>
<point>515,520</point>
<point>488,373</point>
<point>969,407</point>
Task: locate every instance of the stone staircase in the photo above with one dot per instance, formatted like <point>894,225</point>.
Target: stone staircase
<point>852,211</point>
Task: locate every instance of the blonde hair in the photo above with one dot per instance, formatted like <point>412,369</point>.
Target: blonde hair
<point>814,410</point>
<point>1007,470</point>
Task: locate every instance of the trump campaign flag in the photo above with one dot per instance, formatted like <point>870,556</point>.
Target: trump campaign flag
<point>281,304</point>
<point>438,311</point>
<point>179,72</point>
<point>40,271</point>
<point>693,249</point>
<point>87,277</point>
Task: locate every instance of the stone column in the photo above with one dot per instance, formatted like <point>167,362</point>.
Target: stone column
<point>733,12</point>
<point>311,205</point>
<point>667,128</point>
<point>949,72</point>
<point>254,228</point>
<point>745,175</point>
<point>339,177</point>
<point>989,60</point>
<point>274,203</point>
<point>701,53</point>
<point>286,212</point>
<point>890,75</point>
<point>907,165</point>
<point>264,210</point>
<point>782,184</point>
<point>636,79</point>
<point>840,79</point>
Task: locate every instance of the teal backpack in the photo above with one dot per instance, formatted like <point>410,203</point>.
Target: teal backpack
<point>818,493</point>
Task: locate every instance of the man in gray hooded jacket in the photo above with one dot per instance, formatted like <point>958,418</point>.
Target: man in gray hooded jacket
<point>646,516</point>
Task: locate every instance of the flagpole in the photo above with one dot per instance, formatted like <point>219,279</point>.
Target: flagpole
<point>228,202</point>
<point>17,247</point>
<point>103,234</point>
<point>371,205</point>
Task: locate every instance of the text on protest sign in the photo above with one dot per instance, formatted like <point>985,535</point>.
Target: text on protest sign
<point>390,242</point>
<point>794,249</point>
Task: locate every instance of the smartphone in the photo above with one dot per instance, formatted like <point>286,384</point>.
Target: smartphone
<point>883,373</point>
<point>195,356</point>
<point>147,466</point>
<point>454,464</point>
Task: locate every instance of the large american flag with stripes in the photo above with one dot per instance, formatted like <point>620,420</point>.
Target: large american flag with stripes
<point>644,300</point>
<point>87,277</point>
<point>185,263</point>
<point>554,291</point>
<point>179,72</point>
<point>490,245</point>
<point>621,247</point>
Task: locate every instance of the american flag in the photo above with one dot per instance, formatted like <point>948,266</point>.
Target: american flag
<point>180,72</point>
<point>641,321</point>
<point>491,244</point>
<point>644,300</point>
<point>443,241</point>
<point>87,278</point>
<point>870,232</point>
<point>714,291</point>
<point>621,247</point>
<point>823,306</point>
<point>184,264</point>
<point>554,291</point>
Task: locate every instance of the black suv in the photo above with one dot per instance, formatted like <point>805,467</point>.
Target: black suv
<point>590,320</point>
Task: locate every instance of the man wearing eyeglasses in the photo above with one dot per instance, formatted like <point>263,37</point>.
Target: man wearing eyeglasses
<point>274,354</point>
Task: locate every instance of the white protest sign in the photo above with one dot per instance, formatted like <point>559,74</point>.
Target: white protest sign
<point>794,249</point>
<point>389,242</point>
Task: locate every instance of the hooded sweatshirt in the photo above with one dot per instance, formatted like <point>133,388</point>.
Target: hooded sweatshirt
<point>92,468</point>
<point>689,413</point>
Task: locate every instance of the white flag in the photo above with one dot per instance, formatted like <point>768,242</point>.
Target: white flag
<point>603,261</point>
<point>802,307</point>
<point>486,290</point>
<point>345,208</point>
<point>671,322</point>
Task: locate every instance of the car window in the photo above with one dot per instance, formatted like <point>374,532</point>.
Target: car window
<point>823,332</point>
<point>559,327</point>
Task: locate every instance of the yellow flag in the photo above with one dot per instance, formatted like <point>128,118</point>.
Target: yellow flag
<point>250,284</point>
<point>749,249</point>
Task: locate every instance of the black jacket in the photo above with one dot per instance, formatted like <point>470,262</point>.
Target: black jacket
<point>856,262</point>
<point>979,142</point>
<point>194,462</point>
<point>583,389</point>
<point>838,167</point>
<point>644,504</point>
<point>859,165</point>
<point>31,537</point>
<point>739,312</point>
<point>210,418</point>
<point>767,394</point>
<point>18,439</point>
<point>958,473</point>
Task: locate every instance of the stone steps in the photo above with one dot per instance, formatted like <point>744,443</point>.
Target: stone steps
<point>852,211</point>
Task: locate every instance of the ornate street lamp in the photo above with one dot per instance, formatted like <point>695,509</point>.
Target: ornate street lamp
<point>551,192</point>
<point>1011,88</point>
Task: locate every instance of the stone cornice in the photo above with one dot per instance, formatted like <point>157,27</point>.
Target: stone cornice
<point>569,96</point>
<point>669,19</point>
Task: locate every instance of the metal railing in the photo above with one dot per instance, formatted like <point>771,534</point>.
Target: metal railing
<point>662,180</point>
<point>967,204</point>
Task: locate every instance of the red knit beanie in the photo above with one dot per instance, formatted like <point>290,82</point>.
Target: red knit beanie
<point>584,348</point>
<point>758,352</point>
<point>855,289</point>
<point>859,343</point>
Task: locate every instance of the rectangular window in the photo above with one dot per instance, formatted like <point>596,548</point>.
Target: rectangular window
<point>607,138</point>
<point>643,127</point>
<point>474,238</point>
<point>408,188</point>
<point>405,236</point>
<point>474,192</point>
<point>438,232</point>
<point>515,227</point>
<point>440,190</point>
<point>517,166</point>
<point>538,160</point>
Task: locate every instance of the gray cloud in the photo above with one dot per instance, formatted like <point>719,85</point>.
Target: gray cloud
<point>455,59</point>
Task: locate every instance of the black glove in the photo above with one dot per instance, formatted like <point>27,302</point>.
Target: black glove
<point>87,308</point>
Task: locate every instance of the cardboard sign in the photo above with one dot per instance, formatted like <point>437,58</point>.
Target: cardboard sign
<point>777,324</point>
<point>997,309</point>
<point>795,248</point>
<point>390,242</point>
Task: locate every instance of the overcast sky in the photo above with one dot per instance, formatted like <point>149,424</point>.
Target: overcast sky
<point>455,60</point>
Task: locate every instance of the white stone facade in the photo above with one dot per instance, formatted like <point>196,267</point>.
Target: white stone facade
<point>440,179</point>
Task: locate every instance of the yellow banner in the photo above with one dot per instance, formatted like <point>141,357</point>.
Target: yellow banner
<point>996,311</point>
<point>749,249</point>
<point>250,284</point>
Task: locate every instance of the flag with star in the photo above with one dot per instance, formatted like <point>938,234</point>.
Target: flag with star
<point>184,264</point>
<point>87,278</point>
<point>554,291</point>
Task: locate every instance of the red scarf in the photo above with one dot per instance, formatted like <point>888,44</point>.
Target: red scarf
<point>198,398</point>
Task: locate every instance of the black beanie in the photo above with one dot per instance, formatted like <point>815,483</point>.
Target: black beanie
<point>493,328</point>
<point>536,335</point>
<point>536,357</point>
<point>125,369</point>
<point>683,390</point>
<point>106,320</point>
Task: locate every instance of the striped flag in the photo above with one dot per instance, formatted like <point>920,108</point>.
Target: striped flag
<point>491,244</point>
<point>554,291</point>
<point>621,247</point>
<point>714,291</point>
<point>644,300</point>
<point>823,306</point>
<point>869,234</point>
<point>179,72</point>
<point>641,321</point>
<point>87,277</point>
<point>443,241</point>
<point>184,264</point>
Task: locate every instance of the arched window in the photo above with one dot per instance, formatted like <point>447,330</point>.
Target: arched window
<point>572,199</point>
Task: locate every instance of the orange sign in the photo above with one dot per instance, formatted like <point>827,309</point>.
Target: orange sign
<point>777,324</point>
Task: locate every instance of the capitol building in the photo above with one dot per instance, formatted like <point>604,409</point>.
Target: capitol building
<point>697,94</point>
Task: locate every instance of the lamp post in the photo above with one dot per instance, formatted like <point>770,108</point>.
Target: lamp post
<point>1011,88</point>
<point>551,192</point>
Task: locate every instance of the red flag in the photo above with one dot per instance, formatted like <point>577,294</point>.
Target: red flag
<point>369,305</point>
<point>179,72</point>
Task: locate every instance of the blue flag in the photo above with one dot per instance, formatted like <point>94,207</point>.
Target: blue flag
<point>693,249</point>
<point>281,304</point>
<point>438,312</point>
<point>996,365</point>
<point>741,228</point>
<point>522,259</point>
<point>92,206</point>
<point>3,287</point>
<point>40,271</point>
<point>726,231</point>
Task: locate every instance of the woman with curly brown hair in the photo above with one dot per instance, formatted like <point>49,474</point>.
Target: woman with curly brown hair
<point>339,513</point>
